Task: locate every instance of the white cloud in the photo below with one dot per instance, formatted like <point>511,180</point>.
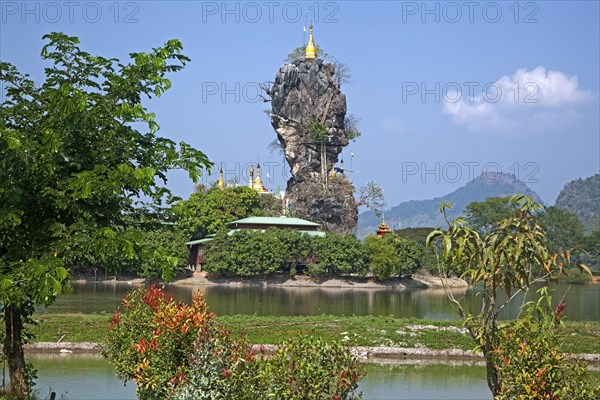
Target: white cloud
<point>392,125</point>
<point>528,100</point>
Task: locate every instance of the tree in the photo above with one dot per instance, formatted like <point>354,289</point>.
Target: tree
<point>351,128</point>
<point>341,253</point>
<point>410,255</point>
<point>484,216</point>
<point>299,53</point>
<point>371,196</point>
<point>246,253</point>
<point>563,229</point>
<point>341,73</point>
<point>501,261</point>
<point>74,161</point>
<point>381,255</point>
<point>591,245</point>
<point>208,211</point>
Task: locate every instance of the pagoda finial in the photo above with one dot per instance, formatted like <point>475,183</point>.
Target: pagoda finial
<point>251,182</point>
<point>311,49</point>
<point>258,183</point>
<point>221,183</point>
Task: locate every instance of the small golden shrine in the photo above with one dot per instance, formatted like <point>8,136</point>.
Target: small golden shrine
<point>383,229</point>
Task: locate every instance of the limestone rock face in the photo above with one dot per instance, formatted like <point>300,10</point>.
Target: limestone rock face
<point>305,92</point>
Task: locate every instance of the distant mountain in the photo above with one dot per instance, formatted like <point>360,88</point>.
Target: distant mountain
<point>582,198</point>
<point>425,213</point>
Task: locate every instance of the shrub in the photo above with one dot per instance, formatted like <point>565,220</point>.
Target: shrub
<point>531,367</point>
<point>310,369</point>
<point>303,368</point>
<point>150,338</point>
<point>175,350</point>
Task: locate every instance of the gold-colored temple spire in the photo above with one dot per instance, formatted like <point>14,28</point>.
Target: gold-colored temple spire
<point>311,49</point>
<point>332,174</point>
<point>221,183</point>
<point>258,183</point>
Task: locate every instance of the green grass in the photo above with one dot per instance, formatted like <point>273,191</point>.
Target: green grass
<point>579,337</point>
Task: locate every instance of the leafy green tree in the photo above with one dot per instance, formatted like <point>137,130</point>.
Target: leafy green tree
<point>299,247</point>
<point>410,256</point>
<point>591,245</point>
<point>484,216</point>
<point>418,235</point>
<point>381,255</point>
<point>246,253</point>
<point>208,211</point>
<point>563,229</point>
<point>501,261</point>
<point>74,161</point>
<point>339,253</point>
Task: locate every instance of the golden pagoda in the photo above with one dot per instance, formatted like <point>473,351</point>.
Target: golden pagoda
<point>311,49</point>
<point>221,183</point>
<point>383,228</point>
<point>332,175</point>
<point>256,184</point>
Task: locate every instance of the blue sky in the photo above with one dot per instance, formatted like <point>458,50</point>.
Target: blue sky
<point>443,90</point>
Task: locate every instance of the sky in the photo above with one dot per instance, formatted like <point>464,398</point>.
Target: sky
<point>444,90</point>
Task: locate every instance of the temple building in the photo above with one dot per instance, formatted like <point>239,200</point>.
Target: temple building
<point>383,229</point>
<point>254,183</point>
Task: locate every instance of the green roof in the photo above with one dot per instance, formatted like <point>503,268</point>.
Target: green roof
<point>310,233</point>
<point>206,239</point>
<point>275,221</point>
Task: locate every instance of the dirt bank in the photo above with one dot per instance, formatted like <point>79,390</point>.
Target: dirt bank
<point>367,354</point>
<point>416,281</point>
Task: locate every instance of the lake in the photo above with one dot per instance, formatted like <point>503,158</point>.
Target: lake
<point>583,300</point>
<point>90,377</point>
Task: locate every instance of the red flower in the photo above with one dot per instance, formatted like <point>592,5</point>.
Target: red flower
<point>560,309</point>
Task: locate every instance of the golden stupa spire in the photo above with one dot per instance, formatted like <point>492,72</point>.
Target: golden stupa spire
<point>311,49</point>
<point>332,175</point>
<point>221,183</point>
<point>258,183</point>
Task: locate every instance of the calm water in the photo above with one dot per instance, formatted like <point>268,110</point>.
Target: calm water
<point>583,301</point>
<point>87,377</point>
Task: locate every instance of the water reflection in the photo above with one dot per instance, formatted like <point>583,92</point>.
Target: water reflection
<point>583,301</point>
<point>431,381</point>
<point>90,377</point>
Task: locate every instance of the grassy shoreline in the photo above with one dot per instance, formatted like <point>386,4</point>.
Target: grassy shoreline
<point>579,337</point>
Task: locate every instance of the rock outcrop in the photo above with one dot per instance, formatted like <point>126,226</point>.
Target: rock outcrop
<point>305,93</point>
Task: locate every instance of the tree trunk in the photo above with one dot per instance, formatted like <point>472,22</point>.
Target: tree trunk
<point>492,374</point>
<point>13,349</point>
